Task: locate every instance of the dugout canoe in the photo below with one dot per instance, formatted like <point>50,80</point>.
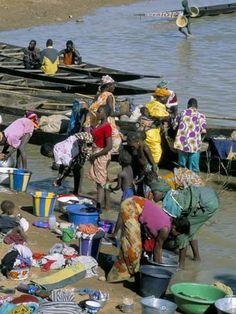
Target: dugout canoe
<point>92,70</point>
<point>71,85</point>
<point>211,10</point>
<point>39,138</point>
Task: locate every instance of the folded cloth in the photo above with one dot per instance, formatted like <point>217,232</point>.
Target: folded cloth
<point>59,308</point>
<point>20,309</point>
<point>62,278</point>
<point>57,248</point>
<point>88,228</point>
<point>13,237</point>
<point>62,296</point>
<point>7,307</point>
<point>23,250</point>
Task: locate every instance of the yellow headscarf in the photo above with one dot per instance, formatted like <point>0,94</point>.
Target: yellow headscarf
<point>162,92</point>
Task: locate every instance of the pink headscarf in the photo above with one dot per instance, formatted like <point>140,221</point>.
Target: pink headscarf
<point>33,117</point>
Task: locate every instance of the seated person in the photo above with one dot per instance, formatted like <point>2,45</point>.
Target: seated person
<point>49,59</point>
<point>31,58</point>
<point>9,222</point>
<point>70,54</point>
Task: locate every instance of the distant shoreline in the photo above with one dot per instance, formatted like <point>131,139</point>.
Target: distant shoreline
<point>29,13</point>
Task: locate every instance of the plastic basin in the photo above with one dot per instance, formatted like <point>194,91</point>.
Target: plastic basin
<point>153,281</point>
<point>106,225</point>
<point>70,199</point>
<point>82,214</point>
<point>196,298</point>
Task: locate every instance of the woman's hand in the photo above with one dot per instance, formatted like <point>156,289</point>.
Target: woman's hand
<point>92,158</point>
<point>3,156</point>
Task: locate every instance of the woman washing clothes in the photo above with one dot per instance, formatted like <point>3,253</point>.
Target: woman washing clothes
<point>106,97</point>
<point>16,136</point>
<point>184,194</point>
<point>198,204</point>
<point>101,153</point>
<point>137,213</point>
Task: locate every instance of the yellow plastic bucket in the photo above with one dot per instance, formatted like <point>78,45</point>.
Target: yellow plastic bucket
<point>43,203</point>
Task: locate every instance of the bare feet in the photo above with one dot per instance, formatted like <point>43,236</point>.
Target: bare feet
<point>56,183</point>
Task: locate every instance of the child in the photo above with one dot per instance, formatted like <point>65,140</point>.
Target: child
<point>125,177</point>
<point>9,222</point>
<point>142,159</point>
<point>70,154</point>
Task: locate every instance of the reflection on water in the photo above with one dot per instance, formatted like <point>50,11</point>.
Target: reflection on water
<point>202,66</point>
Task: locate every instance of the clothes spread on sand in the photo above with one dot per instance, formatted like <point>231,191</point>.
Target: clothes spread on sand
<point>16,130</point>
<point>19,256</point>
<point>49,60</point>
<point>190,125</point>
<point>59,256</point>
<point>59,308</point>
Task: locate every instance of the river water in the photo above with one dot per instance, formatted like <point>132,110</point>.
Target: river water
<point>202,67</point>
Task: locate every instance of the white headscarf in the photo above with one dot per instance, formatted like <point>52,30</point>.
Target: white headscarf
<point>106,79</point>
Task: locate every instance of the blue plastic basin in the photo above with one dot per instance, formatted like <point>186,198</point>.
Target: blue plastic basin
<point>82,214</point>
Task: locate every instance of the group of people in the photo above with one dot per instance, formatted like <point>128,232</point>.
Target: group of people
<point>48,59</point>
<point>145,224</point>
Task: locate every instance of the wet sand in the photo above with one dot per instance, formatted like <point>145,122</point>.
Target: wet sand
<point>27,13</point>
<point>217,245</point>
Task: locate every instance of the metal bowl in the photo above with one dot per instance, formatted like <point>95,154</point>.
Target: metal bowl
<point>226,305</point>
<point>152,305</point>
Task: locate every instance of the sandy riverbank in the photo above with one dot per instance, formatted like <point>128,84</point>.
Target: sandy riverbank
<point>215,245</point>
<point>27,13</point>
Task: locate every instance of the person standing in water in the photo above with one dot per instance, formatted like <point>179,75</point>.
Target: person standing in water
<point>186,13</point>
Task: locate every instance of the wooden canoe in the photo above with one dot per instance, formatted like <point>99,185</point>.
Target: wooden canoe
<point>92,70</point>
<point>211,10</point>
<point>76,85</point>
